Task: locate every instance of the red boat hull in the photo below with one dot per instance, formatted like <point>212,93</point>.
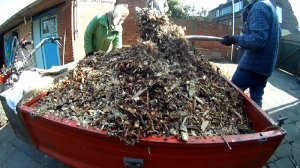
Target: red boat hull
<point>88,147</point>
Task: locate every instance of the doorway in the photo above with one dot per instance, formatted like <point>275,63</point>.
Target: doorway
<point>48,54</point>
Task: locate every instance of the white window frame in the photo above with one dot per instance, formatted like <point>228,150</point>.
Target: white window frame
<point>279,13</point>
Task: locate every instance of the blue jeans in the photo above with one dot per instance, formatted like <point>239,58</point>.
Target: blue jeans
<point>256,83</point>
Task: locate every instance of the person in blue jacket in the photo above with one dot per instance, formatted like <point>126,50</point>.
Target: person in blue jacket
<point>261,42</point>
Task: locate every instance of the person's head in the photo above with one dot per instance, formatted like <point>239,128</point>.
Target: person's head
<point>119,14</point>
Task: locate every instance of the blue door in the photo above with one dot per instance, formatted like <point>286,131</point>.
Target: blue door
<point>39,58</point>
<point>50,50</point>
<point>45,26</point>
<point>8,50</point>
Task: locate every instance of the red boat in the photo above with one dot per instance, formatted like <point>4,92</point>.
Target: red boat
<point>88,147</point>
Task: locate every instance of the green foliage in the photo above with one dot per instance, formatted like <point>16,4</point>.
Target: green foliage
<point>177,10</point>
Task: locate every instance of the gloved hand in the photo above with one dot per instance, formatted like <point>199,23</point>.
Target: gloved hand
<point>90,54</point>
<point>228,40</point>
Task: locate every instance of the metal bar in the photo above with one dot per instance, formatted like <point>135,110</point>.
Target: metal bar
<point>64,47</point>
<point>203,38</point>
<point>233,27</point>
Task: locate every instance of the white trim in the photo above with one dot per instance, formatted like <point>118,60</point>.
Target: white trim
<point>279,13</point>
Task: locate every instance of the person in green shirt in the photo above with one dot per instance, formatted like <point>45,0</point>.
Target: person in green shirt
<point>105,32</point>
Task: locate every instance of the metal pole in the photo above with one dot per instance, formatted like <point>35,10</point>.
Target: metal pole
<point>64,47</point>
<point>233,23</point>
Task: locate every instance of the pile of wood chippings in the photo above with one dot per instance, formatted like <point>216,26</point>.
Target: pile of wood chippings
<point>162,86</point>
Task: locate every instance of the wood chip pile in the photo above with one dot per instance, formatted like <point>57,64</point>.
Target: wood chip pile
<point>162,87</point>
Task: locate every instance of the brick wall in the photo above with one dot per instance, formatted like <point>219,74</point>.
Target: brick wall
<point>64,22</point>
<point>130,29</point>
<point>130,33</point>
<point>206,28</point>
<point>23,29</point>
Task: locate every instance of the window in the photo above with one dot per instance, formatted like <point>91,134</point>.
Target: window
<point>238,6</point>
<point>49,26</point>
<point>279,13</point>
<point>217,13</point>
<point>226,10</point>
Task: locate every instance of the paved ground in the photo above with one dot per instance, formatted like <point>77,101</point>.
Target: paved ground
<point>14,153</point>
<point>281,99</point>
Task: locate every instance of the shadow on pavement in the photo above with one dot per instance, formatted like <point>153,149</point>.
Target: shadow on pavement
<point>15,153</point>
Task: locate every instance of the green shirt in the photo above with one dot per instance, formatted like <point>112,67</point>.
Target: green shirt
<point>99,36</point>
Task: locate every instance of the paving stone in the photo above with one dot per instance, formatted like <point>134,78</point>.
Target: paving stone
<point>296,144</point>
<point>296,156</point>
<point>20,160</point>
<point>20,145</point>
<point>298,124</point>
<point>275,116</point>
<point>273,158</point>
<point>272,165</point>
<point>296,151</point>
<point>293,132</point>
<point>6,150</point>
<point>291,115</point>
<point>37,155</point>
<point>4,133</point>
<point>54,163</point>
<point>27,149</point>
<point>11,145</point>
<point>284,163</point>
<point>284,141</point>
<point>283,150</point>
<point>297,112</point>
<point>9,134</point>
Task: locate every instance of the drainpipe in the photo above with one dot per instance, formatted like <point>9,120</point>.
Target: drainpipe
<point>233,27</point>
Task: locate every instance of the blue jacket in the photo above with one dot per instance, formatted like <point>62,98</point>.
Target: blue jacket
<point>261,39</point>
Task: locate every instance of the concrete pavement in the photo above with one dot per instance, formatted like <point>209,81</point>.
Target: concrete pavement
<point>281,99</point>
<point>14,153</point>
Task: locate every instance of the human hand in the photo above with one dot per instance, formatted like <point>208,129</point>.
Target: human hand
<point>228,40</point>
